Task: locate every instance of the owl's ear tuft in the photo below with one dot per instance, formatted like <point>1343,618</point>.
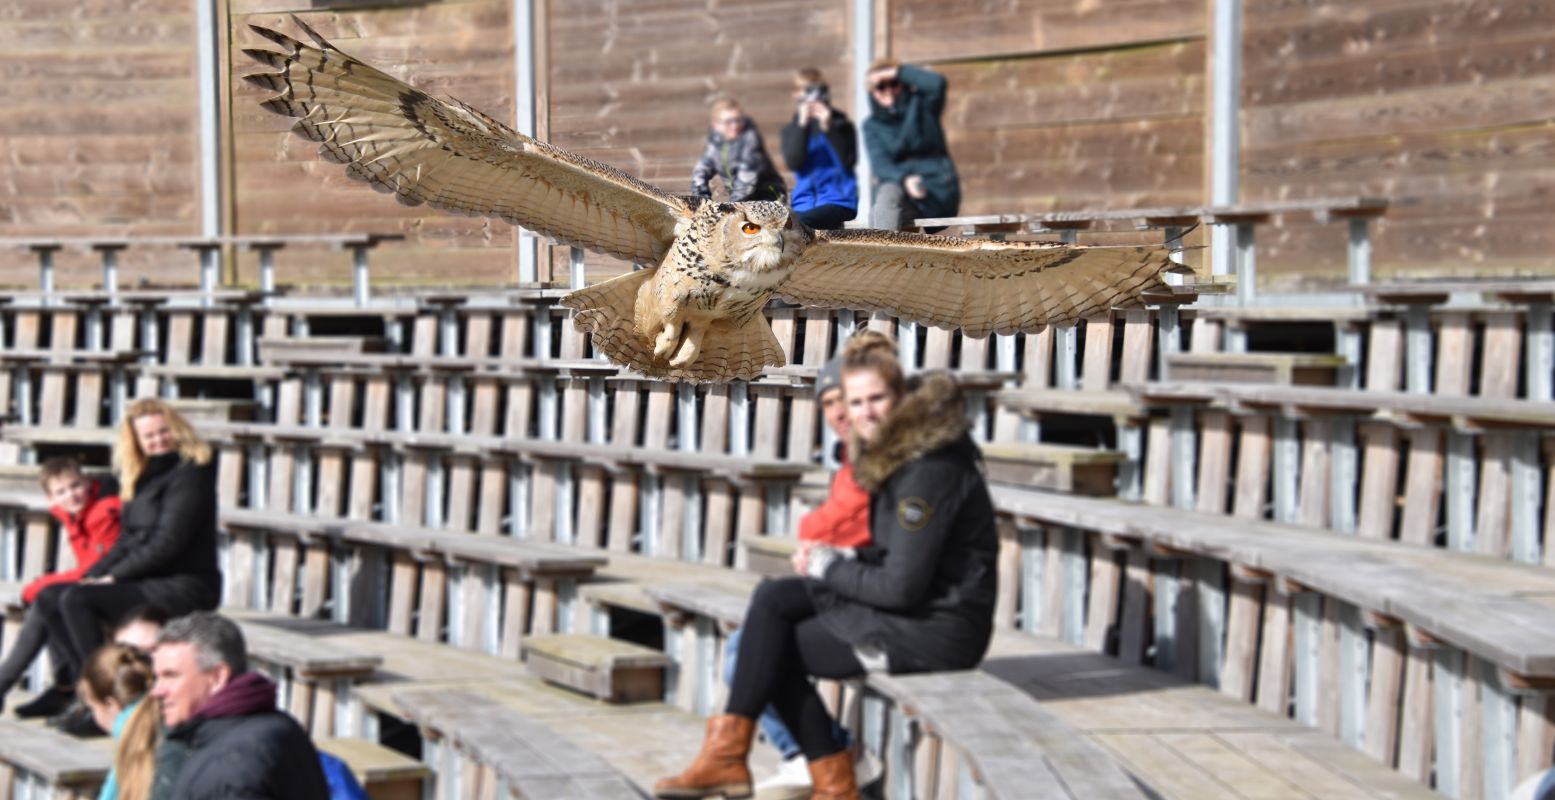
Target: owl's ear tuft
<point>726,208</point>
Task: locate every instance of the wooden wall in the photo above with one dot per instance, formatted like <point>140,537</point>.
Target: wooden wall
<point>1447,101</point>
<point>100,130</point>
<point>1054,104</point>
<point>462,48</point>
<point>1066,105</point>
<point>632,82</point>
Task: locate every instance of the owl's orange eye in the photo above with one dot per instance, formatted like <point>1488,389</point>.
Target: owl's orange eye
<point>751,228</point>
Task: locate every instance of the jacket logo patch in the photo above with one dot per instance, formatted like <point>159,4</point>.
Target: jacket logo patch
<point>913,513</point>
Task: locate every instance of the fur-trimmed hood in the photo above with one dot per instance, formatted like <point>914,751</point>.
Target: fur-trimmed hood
<point>932,415</point>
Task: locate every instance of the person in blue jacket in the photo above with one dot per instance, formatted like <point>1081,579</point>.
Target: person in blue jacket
<point>906,143</point>
<point>820,145</point>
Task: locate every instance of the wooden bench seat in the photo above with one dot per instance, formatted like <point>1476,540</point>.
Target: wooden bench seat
<point>1012,746</point>
<point>769,555</point>
<point>1357,636</point>
<point>385,774</point>
<point>277,349</point>
<point>314,668</point>
<point>1062,468</point>
<point>1115,403</point>
<point>38,761</point>
<point>1478,604</point>
<point>512,750</point>
<point>1179,738</point>
<point>1284,369</point>
<point>412,577</point>
<point>19,357</point>
<point>609,669</point>
<point>1407,408</point>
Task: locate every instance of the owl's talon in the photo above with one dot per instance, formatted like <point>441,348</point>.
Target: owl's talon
<point>665,343</point>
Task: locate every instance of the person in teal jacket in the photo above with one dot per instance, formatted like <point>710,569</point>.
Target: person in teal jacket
<point>914,174</point>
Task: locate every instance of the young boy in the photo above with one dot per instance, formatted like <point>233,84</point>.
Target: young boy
<point>735,152</point>
<point>90,518</point>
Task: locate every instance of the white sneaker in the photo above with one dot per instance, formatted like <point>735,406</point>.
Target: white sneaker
<point>867,768</point>
<point>790,782</point>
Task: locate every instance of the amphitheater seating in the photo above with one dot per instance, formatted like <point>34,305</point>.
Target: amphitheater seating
<point>366,442</point>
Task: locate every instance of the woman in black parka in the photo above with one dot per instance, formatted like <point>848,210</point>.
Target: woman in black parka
<point>166,552</point>
<point>918,598</point>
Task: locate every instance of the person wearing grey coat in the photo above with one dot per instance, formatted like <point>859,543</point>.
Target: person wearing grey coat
<point>735,152</point>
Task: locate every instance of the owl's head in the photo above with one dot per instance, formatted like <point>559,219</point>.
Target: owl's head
<point>760,235</point>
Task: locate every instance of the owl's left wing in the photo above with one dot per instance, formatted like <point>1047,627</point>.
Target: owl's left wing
<point>450,156</point>
<point>979,286</point>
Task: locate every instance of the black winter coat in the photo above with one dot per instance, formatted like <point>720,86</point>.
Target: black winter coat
<point>263,755</point>
<point>923,591</point>
<point>167,542</point>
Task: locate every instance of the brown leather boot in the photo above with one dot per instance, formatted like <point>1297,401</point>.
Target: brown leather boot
<point>720,769</point>
<point>831,778</point>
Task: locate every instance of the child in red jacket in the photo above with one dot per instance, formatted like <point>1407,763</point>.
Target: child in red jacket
<point>90,519</point>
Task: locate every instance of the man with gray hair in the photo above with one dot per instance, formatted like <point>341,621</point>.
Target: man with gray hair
<point>225,737</point>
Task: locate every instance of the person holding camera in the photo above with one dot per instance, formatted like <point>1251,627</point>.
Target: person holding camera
<point>906,142</point>
<point>819,145</point>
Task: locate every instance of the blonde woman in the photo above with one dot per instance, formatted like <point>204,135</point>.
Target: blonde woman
<point>166,552</point>
<point>918,597</point>
<point>114,685</point>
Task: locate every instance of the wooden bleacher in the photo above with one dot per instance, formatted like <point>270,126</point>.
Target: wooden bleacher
<point>441,475</point>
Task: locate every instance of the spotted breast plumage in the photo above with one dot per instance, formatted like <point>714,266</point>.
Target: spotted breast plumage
<point>695,314</point>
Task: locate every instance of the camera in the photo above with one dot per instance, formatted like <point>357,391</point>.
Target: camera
<point>815,93</point>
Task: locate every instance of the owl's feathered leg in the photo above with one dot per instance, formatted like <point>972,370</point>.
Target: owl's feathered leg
<point>690,344</point>
<point>726,350</point>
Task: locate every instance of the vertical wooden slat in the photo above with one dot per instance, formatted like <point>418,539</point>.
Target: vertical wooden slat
<point>1252,468</point>
<point>1415,726</point>
<point>719,522</point>
<point>402,594</point>
<point>1096,369</point>
<point>1236,676</point>
<point>1136,606</point>
<point>1106,577</point>
<point>1214,460</point>
<point>1274,658</point>
<point>1379,480</point>
<point>1315,479</point>
<point>515,614</point>
<point>1385,693</point>
<point>434,589</point>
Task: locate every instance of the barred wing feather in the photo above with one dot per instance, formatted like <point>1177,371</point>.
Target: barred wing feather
<point>979,286</point>
<point>452,157</point>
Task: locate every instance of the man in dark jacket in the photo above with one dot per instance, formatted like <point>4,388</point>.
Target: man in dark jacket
<point>820,146</point>
<point>238,744</point>
<point>734,151</point>
<point>906,143</point>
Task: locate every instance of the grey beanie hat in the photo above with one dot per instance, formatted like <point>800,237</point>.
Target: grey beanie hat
<point>830,377</point>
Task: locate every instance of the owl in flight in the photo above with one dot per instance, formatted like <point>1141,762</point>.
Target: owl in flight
<point>695,313</point>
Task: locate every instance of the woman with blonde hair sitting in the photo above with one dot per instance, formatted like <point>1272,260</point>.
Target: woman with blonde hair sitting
<point>166,551</point>
<point>919,597</point>
<point>114,685</point>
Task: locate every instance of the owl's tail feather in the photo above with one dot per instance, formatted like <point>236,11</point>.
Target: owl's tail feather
<point>607,312</point>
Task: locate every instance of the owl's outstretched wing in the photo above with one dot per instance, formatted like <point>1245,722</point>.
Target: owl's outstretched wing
<point>979,286</point>
<point>453,157</point>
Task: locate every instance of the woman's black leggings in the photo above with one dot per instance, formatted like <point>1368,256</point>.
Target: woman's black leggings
<point>76,615</point>
<point>782,645</point>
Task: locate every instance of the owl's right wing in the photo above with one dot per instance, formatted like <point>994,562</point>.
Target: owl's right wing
<point>976,285</point>
<point>453,157</point>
